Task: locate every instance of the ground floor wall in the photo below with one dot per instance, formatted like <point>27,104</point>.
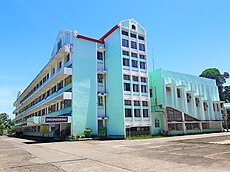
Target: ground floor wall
<point>45,130</point>
<point>160,122</point>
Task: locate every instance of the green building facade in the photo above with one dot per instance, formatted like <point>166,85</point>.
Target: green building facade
<point>184,104</point>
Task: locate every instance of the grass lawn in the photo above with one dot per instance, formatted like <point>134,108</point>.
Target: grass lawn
<point>143,137</point>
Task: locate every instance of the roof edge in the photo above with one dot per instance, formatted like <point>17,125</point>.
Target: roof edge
<point>109,32</point>
<point>90,39</point>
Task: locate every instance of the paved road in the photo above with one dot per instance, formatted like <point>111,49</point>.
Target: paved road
<point>161,154</point>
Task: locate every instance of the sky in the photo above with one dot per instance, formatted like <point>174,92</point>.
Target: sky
<point>184,36</point>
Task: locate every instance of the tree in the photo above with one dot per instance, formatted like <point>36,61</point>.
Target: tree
<point>214,73</point>
<point>5,123</point>
<point>3,118</point>
<point>227,93</point>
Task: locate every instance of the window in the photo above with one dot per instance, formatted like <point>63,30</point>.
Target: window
<point>175,127</point>
<point>134,64</point>
<point>135,78</point>
<point>205,104</point>
<point>144,103</point>
<point>99,56</point>
<point>133,27</point>
<point>125,43</point>
<point>100,101</point>
<point>141,47</point>
<point>48,93</point>
<point>189,118</point>
<point>126,77</point>
<point>151,92</point>
<point>54,89</point>
<point>67,58</point>
<point>44,79</point>
<point>137,112</point>
<point>143,88</point>
<point>141,37</point>
<point>173,114</point>
<point>142,56</point>
<point>68,80</point>
<point>124,33</point>
<point>136,103</point>
<point>133,35</point>
<point>127,87</point>
<point>144,80</point>
<point>145,113</point>
<point>128,112</point>
<point>135,88</point>
<point>47,76</point>
<point>168,89</point>
<point>59,45</point>
<point>60,85</point>
<point>178,93</point>
<point>134,55</point>
<point>53,71</point>
<point>189,97</point>
<point>142,65</point>
<point>125,62</point>
<point>43,96</point>
<point>67,103</point>
<point>214,107</point>
<point>99,78</point>
<point>205,125</point>
<point>217,107</point>
<point>157,123</point>
<point>60,64</point>
<point>133,45</point>
<point>192,126</point>
<point>197,102</point>
<point>125,53</point>
<point>128,102</point>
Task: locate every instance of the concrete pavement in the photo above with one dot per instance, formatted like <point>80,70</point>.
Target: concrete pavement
<point>159,154</point>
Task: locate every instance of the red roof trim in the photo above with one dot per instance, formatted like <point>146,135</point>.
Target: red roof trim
<point>109,32</point>
<point>90,39</point>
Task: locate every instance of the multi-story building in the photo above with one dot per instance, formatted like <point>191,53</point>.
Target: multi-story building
<point>184,104</point>
<point>89,83</point>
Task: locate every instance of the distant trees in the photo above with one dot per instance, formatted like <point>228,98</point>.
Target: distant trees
<point>214,73</point>
<point>5,123</point>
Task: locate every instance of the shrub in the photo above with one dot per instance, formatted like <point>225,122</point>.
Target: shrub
<point>88,130</point>
<point>102,129</point>
<point>82,136</point>
<point>93,135</point>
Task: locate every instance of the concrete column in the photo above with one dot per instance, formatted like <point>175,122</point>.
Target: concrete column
<point>184,127</point>
<point>201,129</point>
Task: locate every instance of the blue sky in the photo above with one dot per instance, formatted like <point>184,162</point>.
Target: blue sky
<point>184,36</point>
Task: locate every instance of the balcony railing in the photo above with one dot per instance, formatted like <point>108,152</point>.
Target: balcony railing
<point>66,48</point>
<point>59,74</point>
<point>59,94</point>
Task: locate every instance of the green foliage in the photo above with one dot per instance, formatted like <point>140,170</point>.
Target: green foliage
<point>5,123</point>
<point>82,136</point>
<point>2,126</point>
<point>143,137</point>
<point>88,130</point>
<point>93,135</point>
<point>214,73</point>
<point>102,129</point>
<point>3,118</point>
<point>227,93</point>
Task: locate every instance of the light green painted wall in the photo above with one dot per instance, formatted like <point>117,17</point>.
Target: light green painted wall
<point>188,83</point>
<point>114,85</point>
<point>160,116</point>
<point>155,83</point>
<point>84,94</point>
